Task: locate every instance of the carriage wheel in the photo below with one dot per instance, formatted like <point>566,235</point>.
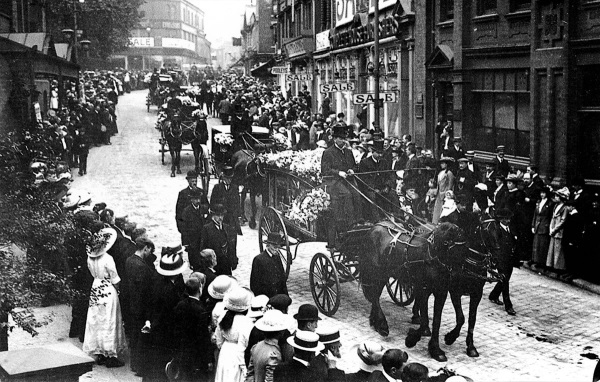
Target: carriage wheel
<point>271,221</point>
<point>400,289</point>
<point>324,284</point>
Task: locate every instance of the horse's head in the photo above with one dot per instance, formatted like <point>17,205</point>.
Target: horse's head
<point>449,244</point>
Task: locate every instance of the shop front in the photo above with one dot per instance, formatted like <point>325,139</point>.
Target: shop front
<point>298,52</point>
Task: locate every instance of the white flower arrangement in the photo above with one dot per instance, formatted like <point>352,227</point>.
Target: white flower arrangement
<point>281,141</point>
<point>306,209</point>
<point>187,101</point>
<point>162,117</point>
<point>305,164</point>
<point>198,113</point>
<point>224,139</point>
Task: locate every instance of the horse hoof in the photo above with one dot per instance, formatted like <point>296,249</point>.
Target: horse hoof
<point>383,332</point>
<point>450,338</point>
<point>472,352</point>
<point>412,338</point>
<point>426,333</point>
<point>415,320</point>
<point>252,225</point>
<point>172,175</point>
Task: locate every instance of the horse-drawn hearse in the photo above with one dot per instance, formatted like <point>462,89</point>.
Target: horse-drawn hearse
<point>409,256</point>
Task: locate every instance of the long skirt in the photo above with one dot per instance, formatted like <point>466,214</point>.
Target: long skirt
<point>104,333</point>
<point>556,254</point>
<point>437,209</point>
<point>231,366</point>
<point>540,248</point>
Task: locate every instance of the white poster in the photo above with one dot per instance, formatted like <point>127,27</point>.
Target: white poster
<point>346,9</point>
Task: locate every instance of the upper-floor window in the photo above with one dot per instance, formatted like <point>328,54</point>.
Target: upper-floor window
<point>486,7</point>
<point>446,10</point>
<point>520,5</point>
<point>307,16</point>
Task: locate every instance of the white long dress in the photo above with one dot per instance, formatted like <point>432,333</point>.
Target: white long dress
<point>231,366</point>
<point>104,326</point>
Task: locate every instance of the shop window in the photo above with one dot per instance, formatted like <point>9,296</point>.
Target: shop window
<point>446,10</point>
<point>590,96</point>
<point>486,7</point>
<point>589,154</point>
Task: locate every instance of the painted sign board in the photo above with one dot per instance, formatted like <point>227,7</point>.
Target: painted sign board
<point>298,77</point>
<point>367,98</point>
<point>342,86</point>
<point>141,41</point>
<point>280,70</point>
<point>346,9</point>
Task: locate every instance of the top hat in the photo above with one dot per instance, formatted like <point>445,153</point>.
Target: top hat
<point>227,172</point>
<point>305,340</point>
<point>500,149</point>
<point>328,334</point>
<point>272,321</point>
<point>238,299</point>
<point>275,238</point>
<point>339,131</point>
<point>307,312</point>
<point>111,236</point>
<point>171,262</point>
<point>367,355</point>
<point>257,306</point>
<point>191,175</point>
<point>280,302</point>
<point>378,145</point>
<point>470,154</point>
<point>221,285</point>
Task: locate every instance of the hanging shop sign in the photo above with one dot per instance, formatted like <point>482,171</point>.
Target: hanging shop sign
<point>298,77</point>
<point>346,9</point>
<point>280,70</point>
<point>322,40</point>
<point>367,98</point>
<point>341,87</point>
<point>388,27</point>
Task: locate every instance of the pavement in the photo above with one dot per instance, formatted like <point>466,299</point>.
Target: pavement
<point>554,336</point>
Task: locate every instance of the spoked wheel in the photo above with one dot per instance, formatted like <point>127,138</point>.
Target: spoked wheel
<point>324,284</point>
<point>400,289</point>
<point>271,221</point>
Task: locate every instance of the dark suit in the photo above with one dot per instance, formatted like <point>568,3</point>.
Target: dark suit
<point>268,276</point>
<point>502,167</point>
<point>465,188</point>
<point>377,376</point>
<point>359,376</point>
<point>193,220</point>
<point>456,153</point>
<point>344,201</point>
<point>489,178</point>
<point>224,242</point>
<point>121,250</point>
<point>183,201</point>
<point>191,332</point>
<point>413,173</point>
<point>504,256</point>
<point>541,231</point>
<point>229,197</point>
<point>499,197</point>
<point>379,185</point>
<point>210,277</point>
<point>140,279</point>
<point>294,371</point>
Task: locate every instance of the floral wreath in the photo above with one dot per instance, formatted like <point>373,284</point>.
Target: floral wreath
<point>224,139</point>
<point>307,207</point>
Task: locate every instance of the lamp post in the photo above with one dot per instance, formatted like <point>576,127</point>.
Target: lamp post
<point>378,102</point>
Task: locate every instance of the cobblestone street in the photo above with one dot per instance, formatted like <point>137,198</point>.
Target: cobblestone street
<point>553,337</point>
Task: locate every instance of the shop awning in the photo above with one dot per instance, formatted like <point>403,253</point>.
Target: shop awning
<point>263,70</point>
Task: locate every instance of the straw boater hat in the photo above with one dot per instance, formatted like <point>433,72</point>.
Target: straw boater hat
<point>307,341</point>
<point>272,321</point>
<point>110,241</point>
<point>328,334</point>
<point>513,178</point>
<point>367,356</point>
<point>221,285</point>
<point>238,299</point>
<point>257,306</point>
<point>171,262</point>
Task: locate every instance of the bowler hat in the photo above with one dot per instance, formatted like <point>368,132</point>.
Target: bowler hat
<point>280,302</point>
<point>307,312</point>
<point>275,238</point>
<point>218,209</point>
<point>196,193</point>
<point>191,175</point>
<point>378,145</point>
<point>339,131</point>
<point>227,172</point>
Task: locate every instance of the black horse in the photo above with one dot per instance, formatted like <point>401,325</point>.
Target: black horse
<point>177,131</point>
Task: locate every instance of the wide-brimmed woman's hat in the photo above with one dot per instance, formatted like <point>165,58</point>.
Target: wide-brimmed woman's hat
<point>513,178</point>
<point>221,285</point>
<point>238,299</point>
<point>305,340</point>
<point>446,160</point>
<point>367,356</point>
<point>272,321</point>
<point>171,262</point>
<point>257,306</point>
<point>111,236</point>
<point>563,193</point>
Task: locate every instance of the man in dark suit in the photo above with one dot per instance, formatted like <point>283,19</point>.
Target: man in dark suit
<point>465,185</point>
<point>471,165</point>
<point>489,178</point>
<point>377,183</point>
<point>412,172</point>
<point>191,332</point>
<point>221,238</point>
<point>268,276</point>
<point>140,278</point>
<point>227,194</point>
<point>306,346</point>
<point>498,192</point>
<point>337,168</point>
<point>193,219</point>
<point>455,151</point>
<point>504,261</point>
<point>392,361</point>
<point>183,199</point>
<point>501,164</point>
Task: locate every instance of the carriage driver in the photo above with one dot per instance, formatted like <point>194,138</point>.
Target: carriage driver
<point>337,167</point>
<point>174,104</point>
